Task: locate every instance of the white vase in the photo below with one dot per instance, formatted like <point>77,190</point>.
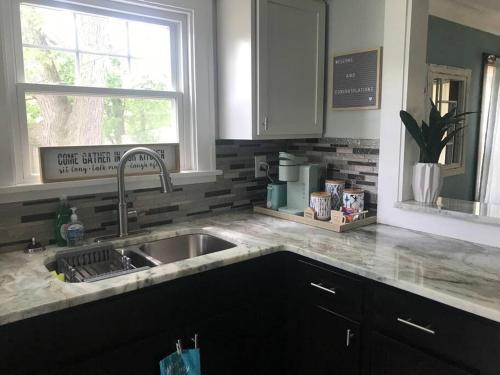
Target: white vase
<point>427,182</point>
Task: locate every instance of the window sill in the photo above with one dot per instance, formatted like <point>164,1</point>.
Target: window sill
<point>20,193</point>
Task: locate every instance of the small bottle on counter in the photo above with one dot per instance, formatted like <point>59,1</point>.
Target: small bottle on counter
<point>75,230</point>
<point>63,216</point>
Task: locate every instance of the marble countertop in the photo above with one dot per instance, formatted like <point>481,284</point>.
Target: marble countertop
<point>485,213</point>
<point>456,273</point>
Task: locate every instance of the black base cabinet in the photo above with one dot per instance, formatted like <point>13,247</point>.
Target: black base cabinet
<point>330,344</point>
<point>276,314</point>
<point>391,357</point>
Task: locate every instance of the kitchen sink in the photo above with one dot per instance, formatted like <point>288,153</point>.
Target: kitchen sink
<point>102,261</point>
<point>187,246</point>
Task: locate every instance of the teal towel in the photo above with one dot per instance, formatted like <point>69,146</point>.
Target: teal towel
<point>187,363</point>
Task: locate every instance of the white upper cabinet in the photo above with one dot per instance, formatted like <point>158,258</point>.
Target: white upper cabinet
<point>271,56</point>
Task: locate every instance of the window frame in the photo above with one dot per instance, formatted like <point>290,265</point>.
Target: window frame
<point>197,140</point>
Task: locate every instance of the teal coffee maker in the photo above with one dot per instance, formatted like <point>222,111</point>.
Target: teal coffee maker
<point>301,180</point>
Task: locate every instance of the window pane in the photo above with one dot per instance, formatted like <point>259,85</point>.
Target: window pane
<point>103,71</point>
<point>101,34</point>
<point>49,66</point>
<point>149,75</point>
<point>94,50</point>
<point>47,27</point>
<point>149,40</point>
<point>58,120</point>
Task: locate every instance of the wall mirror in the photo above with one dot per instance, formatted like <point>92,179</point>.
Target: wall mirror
<point>463,72</point>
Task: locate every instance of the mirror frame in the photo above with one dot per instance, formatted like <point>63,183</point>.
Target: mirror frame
<point>488,59</point>
<point>459,74</point>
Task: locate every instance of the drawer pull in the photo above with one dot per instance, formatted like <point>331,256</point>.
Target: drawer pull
<point>411,324</point>
<point>349,336</point>
<point>320,286</point>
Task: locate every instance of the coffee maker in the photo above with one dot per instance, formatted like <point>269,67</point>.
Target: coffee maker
<point>301,180</point>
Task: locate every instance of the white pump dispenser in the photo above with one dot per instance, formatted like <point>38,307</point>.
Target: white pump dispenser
<point>75,230</point>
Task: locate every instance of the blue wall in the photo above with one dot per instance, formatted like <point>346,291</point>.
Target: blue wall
<point>452,44</point>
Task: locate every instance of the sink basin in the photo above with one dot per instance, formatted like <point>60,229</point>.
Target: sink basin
<point>102,261</point>
<point>177,248</point>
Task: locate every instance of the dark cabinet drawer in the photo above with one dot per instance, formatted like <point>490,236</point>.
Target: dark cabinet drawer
<point>391,357</point>
<point>333,290</point>
<point>436,328</point>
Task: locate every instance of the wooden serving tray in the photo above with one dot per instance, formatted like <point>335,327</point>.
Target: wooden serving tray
<point>316,223</point>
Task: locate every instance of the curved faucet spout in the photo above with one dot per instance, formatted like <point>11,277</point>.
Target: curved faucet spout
<point>166,182</point>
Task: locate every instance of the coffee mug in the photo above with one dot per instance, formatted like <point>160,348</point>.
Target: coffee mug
<point>276,195</point>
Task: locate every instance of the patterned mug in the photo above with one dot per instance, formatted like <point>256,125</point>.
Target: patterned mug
<point>336,189</point>
<point>321,203</point>
<point>354,199</point>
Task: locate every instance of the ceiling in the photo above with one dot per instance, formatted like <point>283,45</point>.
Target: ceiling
<point>479,14</point>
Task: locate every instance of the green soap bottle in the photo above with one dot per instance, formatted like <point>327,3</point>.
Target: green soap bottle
<point>63,216</point>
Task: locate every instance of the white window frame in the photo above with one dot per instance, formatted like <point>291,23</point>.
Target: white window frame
<point>196,116</point>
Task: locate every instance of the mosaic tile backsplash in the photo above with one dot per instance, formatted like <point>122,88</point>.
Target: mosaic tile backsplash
<point>236,188</point>
<point>353,160</point>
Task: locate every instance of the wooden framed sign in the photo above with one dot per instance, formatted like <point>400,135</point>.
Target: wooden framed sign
<point>69,163</point>
<point>355,80</point>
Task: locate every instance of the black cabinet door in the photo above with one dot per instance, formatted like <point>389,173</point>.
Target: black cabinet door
<point>138,357</point>
<point>391,357</point>
<point>323,343</point>
<point>238,342</point>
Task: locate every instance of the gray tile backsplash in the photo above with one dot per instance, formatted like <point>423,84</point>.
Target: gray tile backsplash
<point>354,160</point>
<point>236,188</point>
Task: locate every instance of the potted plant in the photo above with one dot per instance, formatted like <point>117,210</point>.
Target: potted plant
<point>431,139</point>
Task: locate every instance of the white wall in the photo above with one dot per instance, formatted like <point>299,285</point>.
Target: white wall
<point>353,25</point>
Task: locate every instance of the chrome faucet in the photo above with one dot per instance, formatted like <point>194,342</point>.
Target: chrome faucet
<point>166,183</point>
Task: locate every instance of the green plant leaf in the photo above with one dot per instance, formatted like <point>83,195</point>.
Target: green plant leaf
<point>449,137</point>
<point>425,132</point>
<point>412,127</point>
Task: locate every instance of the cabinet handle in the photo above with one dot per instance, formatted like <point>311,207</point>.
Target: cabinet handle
<point>349,336</point>
<point>320,286</point>
<point>266,123</point>
<point>408,322</point>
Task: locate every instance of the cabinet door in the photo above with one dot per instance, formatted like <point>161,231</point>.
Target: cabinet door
<point>391,357</point>
<point>291,51</point>
<point>239,342</point>
<point>324,343</point>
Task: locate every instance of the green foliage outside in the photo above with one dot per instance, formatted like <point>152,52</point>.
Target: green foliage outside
<point>124,120</point>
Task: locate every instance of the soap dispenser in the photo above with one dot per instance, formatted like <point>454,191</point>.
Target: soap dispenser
<point>74,230</point>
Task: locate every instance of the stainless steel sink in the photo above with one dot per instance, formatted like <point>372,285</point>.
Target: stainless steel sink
<point>101,261</point>
<point>177,248</point>
<point>138,258</point>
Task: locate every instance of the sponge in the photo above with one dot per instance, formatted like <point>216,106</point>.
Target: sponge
<point>59,276</point>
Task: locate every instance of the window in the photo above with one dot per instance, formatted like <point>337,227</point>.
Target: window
<point>92,77</point>
<point>448,88</point>
<point>98,72</point>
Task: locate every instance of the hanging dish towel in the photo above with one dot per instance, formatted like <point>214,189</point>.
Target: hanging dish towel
<point>186,363</point>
